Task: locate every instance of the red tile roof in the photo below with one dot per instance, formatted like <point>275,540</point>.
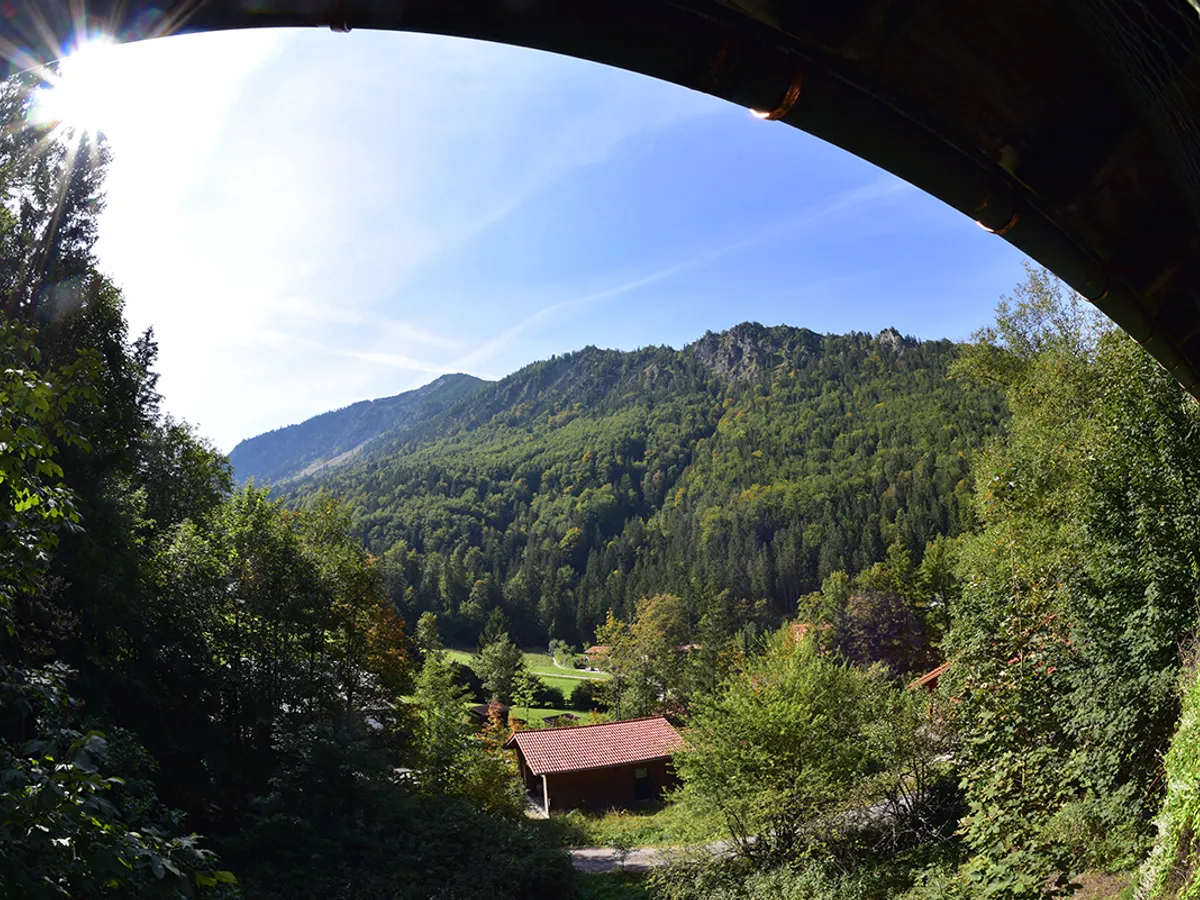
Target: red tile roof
<point>551,750</point>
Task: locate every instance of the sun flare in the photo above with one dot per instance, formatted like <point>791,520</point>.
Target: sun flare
<point>88,93</point>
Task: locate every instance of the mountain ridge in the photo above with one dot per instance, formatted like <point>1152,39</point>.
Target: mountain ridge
<point>333,438</point>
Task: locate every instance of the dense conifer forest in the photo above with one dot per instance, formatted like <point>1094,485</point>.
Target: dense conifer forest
<point>742,470</point>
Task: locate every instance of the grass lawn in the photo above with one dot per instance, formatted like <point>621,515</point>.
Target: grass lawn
<point>536,716</point>
<point>459,656</point>
<point>541,665</point>
<point>566,685</point>
<point>567,674</point>
<point>613,886</point>
<point>662,824</point>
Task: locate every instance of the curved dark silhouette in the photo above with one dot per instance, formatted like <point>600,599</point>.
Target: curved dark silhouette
<point>1068,127</point>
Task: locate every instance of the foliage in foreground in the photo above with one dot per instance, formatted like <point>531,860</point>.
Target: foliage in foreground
<point>801,752</point>
<point>1066,611</point>
<point>69,829</point>
<point>614,886</point>
<point>164,636</point>
<point>1076,594</point>
<point>664,824</point>
<point>339,824</point>
<point>915,874</point>
<point>79,816</point>
<point>1173,870</point>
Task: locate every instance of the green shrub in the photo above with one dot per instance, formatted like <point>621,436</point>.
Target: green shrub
<point>702,878</point>
<point>924,872</point>
<point>586,698</point>
<point>338,826</point>
<point>1171,871</point>
<point>797,741</point>
<point>614,886</point>
<point>549,697</point>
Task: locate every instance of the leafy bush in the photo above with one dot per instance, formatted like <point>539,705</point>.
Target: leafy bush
<point>702,878</point>
<point>549,697</point>
<point>1075,594</point>
<point>796,745</point>
<point>466,679</point>
<point>586,697</point>
<point>614,886</point>
<point>70,829</point>
<point>920,873</point>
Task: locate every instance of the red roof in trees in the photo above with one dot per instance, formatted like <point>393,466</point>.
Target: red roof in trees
<point>930,679</point>
<point>551,750</point>
<point>597,650</point>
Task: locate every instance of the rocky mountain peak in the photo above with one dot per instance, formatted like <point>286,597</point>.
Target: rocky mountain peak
<point>743,352</point>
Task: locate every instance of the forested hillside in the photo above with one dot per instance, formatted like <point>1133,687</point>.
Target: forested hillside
<point>738,473</point>
<point>334,437</point>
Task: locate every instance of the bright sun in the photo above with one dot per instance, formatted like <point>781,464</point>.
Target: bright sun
<point>89,93</point>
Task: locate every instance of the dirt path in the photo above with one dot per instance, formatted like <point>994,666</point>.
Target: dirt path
<point>598,860</point>
<point>558,665</point>
<point>573,677</point>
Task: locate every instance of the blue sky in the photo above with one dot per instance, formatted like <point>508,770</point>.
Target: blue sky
<point>325,218</point>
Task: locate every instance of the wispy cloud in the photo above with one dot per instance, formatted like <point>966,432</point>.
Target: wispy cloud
<point>881,190</point>
<point>490,348</point>
<point>279,339</point>
<point>381,326</point>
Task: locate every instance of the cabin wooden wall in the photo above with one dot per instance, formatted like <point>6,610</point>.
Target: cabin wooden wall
<point>604,788</point>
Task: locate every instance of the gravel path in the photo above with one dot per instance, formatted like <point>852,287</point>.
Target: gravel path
<point>598,860</point>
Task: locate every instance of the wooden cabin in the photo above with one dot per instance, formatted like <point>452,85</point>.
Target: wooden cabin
<point>612,764</point>
<point>480,713</point>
